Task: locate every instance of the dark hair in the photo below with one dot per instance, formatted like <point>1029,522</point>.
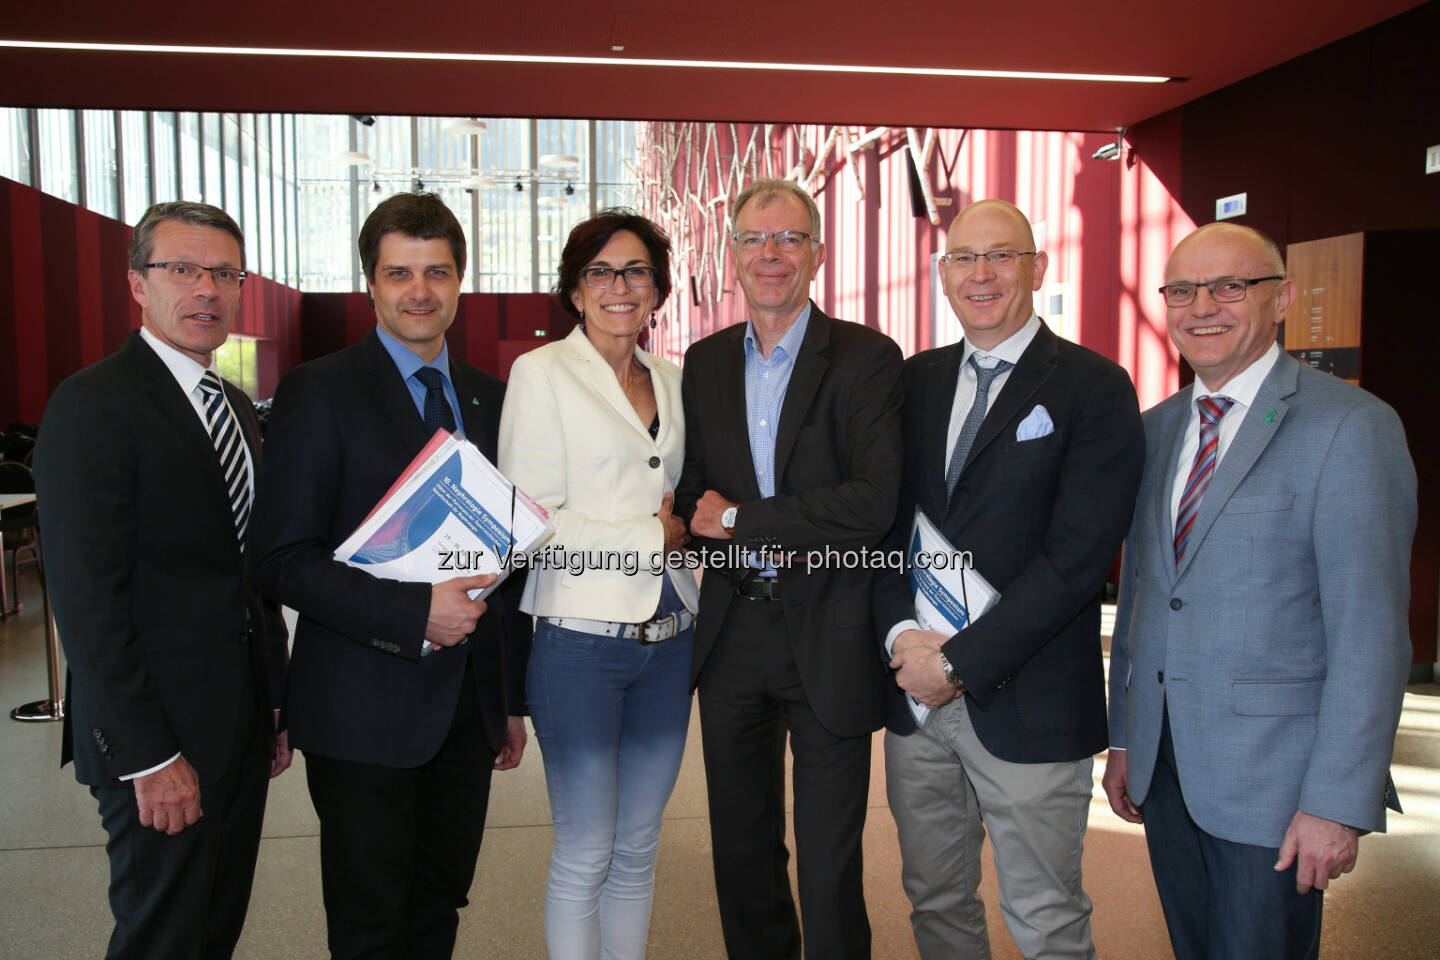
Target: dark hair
<point>423,216</point>
<point>142,240</point>
<point>588,237</point>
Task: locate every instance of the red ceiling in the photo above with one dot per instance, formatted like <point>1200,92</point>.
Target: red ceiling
<point>1212,43</point>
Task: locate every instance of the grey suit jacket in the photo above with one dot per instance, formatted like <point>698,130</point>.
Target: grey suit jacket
<point>1281,644</point>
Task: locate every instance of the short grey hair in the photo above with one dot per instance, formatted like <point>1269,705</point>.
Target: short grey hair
<point>763,191</point>
<point>142,241</point>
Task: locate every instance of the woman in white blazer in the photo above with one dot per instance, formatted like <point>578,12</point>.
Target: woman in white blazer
<point>593,429</point>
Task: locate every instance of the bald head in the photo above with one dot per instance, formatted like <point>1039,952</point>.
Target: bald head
<point>992,299</point>
<point>1226,327</point>
<point>996,208</point>
<point>1232,236</point>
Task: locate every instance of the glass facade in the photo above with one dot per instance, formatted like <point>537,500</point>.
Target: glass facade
<point>301,185</point>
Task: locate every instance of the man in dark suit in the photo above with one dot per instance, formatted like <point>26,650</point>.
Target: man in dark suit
<point>400,694</point>
<point>1262,638</point>
<point>1035,476</point>
<point>144,470</point>
<point>792,444</point>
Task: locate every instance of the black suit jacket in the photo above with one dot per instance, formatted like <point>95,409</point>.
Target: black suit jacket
<point>1044,519</point>
<point>167,645</point>
<point>837,464</point>
<point>341,431</point>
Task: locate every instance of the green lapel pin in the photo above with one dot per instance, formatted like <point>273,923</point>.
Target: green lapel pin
<point>1270,417</point>
<point>475,402</point>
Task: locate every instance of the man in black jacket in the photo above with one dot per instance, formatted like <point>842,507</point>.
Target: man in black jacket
<point>144,472</point>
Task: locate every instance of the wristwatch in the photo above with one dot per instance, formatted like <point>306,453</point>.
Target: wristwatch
<point>727,519</point>
<point>950,672</point>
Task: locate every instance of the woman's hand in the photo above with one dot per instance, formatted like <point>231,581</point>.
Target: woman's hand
<point>676,536</point>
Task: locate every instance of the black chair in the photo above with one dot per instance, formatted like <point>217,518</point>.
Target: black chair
<point>20,523</point>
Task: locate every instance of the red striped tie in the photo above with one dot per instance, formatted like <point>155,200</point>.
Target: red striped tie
<point>1212,409</point>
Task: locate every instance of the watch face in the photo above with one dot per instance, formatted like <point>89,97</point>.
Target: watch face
<point>727,519</point>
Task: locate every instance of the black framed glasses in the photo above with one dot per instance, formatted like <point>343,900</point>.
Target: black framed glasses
<point>999,259</point>
<point>1224,290</point>
<point>602,278</point>
<point>187,274</point>
<point>752,240</point>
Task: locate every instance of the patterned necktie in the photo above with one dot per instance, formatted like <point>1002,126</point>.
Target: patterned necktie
<point>984,376</point>
<point>438,415</point>
<point>229,447</point>
<point>1212,410</point>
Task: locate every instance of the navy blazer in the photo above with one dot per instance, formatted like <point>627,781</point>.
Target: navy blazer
<point>342,429</point>
<point>1044,519</point>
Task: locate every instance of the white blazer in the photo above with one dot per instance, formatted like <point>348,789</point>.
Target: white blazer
<point>571,440</point>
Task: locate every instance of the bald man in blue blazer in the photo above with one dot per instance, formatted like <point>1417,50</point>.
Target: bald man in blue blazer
<point>1262,644</point>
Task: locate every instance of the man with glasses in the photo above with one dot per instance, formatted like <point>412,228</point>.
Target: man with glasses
<point>1025,451</point>
<point>1262,642</point>
<point>792,444</point>
<point>144,471</point>
<point>400,694</point>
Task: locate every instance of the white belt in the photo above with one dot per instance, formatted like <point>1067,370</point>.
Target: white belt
<point>652,631</point>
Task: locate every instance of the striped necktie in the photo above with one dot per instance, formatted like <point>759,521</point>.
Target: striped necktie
<point>229,447</point>
<point>1212,410</point>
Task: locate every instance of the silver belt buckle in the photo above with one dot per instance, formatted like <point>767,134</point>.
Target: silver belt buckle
<point>646,636</point>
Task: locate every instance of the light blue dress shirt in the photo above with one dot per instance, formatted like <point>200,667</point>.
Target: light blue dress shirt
<point>765,384</point>
<point>407,362</point>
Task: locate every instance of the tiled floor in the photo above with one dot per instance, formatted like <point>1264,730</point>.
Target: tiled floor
<point>53,870</point>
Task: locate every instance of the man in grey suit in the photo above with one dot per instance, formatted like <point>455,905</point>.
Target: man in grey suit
<point>1261,644</point>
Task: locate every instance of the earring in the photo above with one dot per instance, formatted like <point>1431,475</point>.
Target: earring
<point>653,322</point>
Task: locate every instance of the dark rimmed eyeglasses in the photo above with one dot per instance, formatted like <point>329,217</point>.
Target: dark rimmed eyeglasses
<point>1224,290</point>
<point>601,278</point>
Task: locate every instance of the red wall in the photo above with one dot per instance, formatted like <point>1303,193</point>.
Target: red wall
<point>1109,227</point>
<point>65,301</point>
<point>489,332</point>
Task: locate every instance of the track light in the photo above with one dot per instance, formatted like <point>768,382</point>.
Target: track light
<point>569,190</point>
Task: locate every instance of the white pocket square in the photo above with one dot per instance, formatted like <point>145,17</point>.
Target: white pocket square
<point>1038,424</point>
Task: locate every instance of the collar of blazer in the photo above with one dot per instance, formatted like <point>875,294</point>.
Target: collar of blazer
<point>152,376</point>
<point>587,365</point>
<point>1035,366</point>
<point>1249,442</point>
<point>391,394</point>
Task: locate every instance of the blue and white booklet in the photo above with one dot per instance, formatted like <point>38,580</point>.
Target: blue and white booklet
<point>946,590</point>
<point>451,513</point>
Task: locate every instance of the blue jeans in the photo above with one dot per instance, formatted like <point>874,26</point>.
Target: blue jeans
<point>611,717</point>
<point>1222,900</point>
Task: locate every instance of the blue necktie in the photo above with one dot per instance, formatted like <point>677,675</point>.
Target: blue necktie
<point>229,447</point>
<point>438,415</point>
<point>984,376</point>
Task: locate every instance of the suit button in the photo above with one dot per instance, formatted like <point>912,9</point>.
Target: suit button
<point>1176,603</point>
<point>244,639</point>
<point>654,463</point>
<point>1159,676</point>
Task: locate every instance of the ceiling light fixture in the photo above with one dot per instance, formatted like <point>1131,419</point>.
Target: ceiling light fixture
<point>579,61</point>
<point>465,126</point>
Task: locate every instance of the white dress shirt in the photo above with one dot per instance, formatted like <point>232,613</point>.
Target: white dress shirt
<point>1240,388</point>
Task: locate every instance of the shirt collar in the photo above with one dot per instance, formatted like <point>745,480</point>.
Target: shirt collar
<point>406,360</point>
<point>789,344</point>
<point>1244,385</point>
<point>1011,347</point>
<point>186,371</point>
